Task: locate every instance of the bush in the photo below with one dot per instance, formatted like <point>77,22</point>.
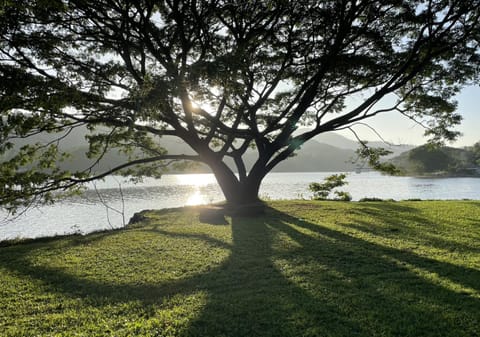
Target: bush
<point>367,199</point>
<point>321,191</point>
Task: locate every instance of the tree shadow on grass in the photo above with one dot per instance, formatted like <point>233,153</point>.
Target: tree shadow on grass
<point>308,279</point>
<point>290,277</point>
<point>412,226</point>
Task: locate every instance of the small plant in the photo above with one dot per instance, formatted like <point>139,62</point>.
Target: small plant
<point>342,196</point>
<point>76,230</point>
<point>370,199</point>
<point>321,191</point>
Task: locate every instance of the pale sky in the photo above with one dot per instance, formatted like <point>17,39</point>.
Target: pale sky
<point>397,129</point>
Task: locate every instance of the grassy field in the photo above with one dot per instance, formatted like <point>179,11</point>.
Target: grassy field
<point>303,269</point>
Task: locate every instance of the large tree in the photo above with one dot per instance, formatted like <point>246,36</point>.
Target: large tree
<point>223,76</point>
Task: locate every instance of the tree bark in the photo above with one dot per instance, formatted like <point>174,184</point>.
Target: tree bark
<point>237,192</point>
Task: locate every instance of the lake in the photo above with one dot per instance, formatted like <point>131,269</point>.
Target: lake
<point>114,201</point>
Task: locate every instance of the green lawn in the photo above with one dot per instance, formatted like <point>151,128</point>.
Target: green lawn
<point>304,269</point>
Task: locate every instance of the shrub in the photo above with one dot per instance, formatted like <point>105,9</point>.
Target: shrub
<point>367,199</point>
<point>321,191</point>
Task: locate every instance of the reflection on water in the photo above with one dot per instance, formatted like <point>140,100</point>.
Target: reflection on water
<point>196,198</point>
<point>87,213</point>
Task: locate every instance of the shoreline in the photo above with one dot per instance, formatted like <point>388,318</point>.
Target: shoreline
<point>139,217</point>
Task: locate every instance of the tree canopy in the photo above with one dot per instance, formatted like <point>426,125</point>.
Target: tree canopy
<point>439,161</point>
<point>222,76</point>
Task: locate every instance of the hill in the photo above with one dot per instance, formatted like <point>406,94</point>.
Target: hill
<point>438,161</point>
<point>342,142</point>
<point>327,152</point>
<point>317,157</point>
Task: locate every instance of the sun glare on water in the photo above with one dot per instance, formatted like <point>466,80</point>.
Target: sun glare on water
<point>196,198</point>
<point>196,182</point>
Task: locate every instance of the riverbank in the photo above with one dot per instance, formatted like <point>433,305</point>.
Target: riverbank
<point>86,213</point>
<point>304,268</point>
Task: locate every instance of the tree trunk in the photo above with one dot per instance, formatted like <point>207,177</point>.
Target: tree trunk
<point>238,193</point>
<point>243,200</point>
<point>245,193</point>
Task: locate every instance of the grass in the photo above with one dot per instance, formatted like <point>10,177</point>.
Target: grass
<point>304,269</point>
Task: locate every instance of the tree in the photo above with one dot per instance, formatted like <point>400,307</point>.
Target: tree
<point>429,159</point>
<point>475,150</point>
<point>223,76</point>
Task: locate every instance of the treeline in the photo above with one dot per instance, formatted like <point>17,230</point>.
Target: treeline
<point>440,161</point>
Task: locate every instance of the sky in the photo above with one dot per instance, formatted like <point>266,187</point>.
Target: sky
<point>398,129</point>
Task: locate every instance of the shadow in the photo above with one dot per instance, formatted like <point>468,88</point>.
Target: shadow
<point>375,254</point>
<point>203,237</point>
<point>320,281</point>
<point>287,276</point>
<point>252,297</point>
<point>413,226</point>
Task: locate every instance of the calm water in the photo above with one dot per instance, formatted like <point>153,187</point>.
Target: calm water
<point>87,213</point>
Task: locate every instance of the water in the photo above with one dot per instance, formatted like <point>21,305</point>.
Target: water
<point>87,213</point>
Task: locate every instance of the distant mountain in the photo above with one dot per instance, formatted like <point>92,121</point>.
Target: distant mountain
<point>334,139</point>
<point>318,157</point>
<point>69,140</point>
<point>312,157</point>
<point>326,152</point>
